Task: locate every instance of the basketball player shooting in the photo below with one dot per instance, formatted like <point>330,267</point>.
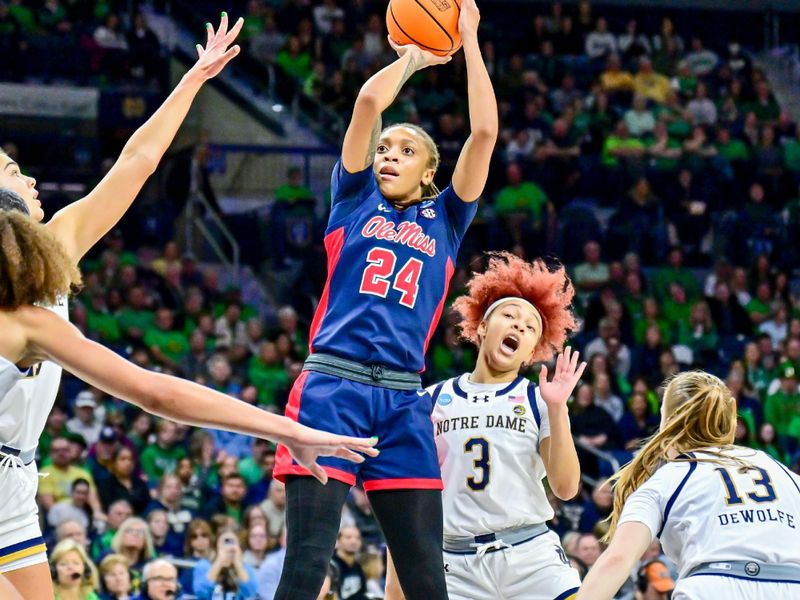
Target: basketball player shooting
<point>392,241</point>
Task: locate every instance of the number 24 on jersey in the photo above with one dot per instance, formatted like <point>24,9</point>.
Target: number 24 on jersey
<point>379,276</point>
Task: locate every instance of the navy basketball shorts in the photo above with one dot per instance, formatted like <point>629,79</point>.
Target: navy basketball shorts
<point>401,419</point>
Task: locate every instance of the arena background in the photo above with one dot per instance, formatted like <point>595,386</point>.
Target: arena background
<point>657,156</point>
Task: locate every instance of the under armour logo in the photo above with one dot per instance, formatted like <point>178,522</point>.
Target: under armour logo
<point>475,398</point>
<point>446,567</point>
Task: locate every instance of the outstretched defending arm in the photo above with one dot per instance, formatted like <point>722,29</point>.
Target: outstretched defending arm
<point>52,338</point>
<point>80,225</point>
<point>472,168</point>
<point>375,96</point>
<point>615,564</point>
<point>558,450</point>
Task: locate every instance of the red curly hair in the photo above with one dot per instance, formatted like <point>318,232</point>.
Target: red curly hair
<point>548,289</point>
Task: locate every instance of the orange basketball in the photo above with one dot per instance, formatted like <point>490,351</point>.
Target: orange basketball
<point>430,24</point>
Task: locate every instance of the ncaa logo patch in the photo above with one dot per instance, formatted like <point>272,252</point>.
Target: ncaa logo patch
<point>445,399</point>
<point>428,213</point>
<point>752,569</point>
<point>519,410</point>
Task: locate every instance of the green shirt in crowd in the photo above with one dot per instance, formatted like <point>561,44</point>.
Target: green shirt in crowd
<point>526,197</point>
<point>130,318</point>
<point>781,409</point>
<point>268,379</point>
<point>734,151</point>
<point>156,461</point>
<point>617,143</point>
<point>173,344</point>
<point>791,155</point>
<point>105,325</point>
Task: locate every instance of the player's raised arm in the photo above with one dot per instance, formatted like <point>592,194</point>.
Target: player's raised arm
<point>472,168</point>
<point>558,450</point>
<point>614,566</point>
<point>52,338</point>
<point>81,224</point>
<point>375,96</point>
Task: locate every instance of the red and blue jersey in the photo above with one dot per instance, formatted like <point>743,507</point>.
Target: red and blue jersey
<point>388,272</point>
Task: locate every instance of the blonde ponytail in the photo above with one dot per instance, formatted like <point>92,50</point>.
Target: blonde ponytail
<point>701,414</point>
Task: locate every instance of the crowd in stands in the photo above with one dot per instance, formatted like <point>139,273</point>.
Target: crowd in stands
<point>663,173</point>
<point>91,43</point>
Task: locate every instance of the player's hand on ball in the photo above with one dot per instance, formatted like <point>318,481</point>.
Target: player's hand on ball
<point>306,445</point>
<point>469,18</point>
<point>565,377</point>
<point>216,54</point>
<point>421,57</point>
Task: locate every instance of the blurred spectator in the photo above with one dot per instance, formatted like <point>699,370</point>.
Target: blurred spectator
<point>230,500</point>
<point>75,575</point>
<point>123,482</point>
<point>163,456</point>
<point>255,544</point>
<point>159,581</point>
<point>227,575</point>
<point>119,512</point>
<point>86,422</point>
<point>165,541</point>
<point>588,549</point>
<point>600,42</point>
<point>72,530</point>
<point>133,541</point>
<point>782,407</point>
<point>115,578</point>
<point>168,498</point>
<point>269,574</point>
<point>274,508</point>
<point>353,583</point>
<point>74,509</point>
<point>61,474</point>
<point>699,59</point>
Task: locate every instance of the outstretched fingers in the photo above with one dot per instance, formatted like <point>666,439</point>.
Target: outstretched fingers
<point>318,472</point>
<point>237,27</point>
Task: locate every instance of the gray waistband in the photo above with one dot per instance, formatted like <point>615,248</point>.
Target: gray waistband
<point>376,375</point>
<point>494,541</point>
<point>26,457</point>
<point>749,569</point>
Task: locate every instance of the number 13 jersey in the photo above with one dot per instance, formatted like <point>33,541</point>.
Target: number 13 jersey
<point>706,512</point>
<point>388,272</point>
<point>487,438</point>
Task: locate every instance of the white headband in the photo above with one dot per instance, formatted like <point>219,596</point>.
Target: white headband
<point>497,303</point>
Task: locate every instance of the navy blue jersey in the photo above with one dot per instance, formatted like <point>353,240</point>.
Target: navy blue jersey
<point>388,272</point>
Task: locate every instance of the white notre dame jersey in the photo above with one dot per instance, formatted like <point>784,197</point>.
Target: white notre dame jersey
<point>705,512</point>
<point>487,438</point>
<point>25,407</point>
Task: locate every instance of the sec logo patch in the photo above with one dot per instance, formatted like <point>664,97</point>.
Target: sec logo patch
<point>445,399</point>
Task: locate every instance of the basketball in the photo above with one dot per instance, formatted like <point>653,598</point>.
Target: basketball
<point>430,24</point>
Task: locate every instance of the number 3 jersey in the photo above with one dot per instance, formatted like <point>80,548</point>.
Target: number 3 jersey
<point>706,512</point>
<point>388,272</point>
<point>487,438</point>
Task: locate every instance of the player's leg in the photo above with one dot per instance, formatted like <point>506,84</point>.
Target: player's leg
<point>8,591</point>
<point>313,514</point>
<point>23,554</point>
<point>469,577</point>
<point>538,570</point>
<point>32,582</point>
<point>412,524</point>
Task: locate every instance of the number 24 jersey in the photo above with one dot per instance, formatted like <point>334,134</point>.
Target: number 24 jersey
<point>388,272</point>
